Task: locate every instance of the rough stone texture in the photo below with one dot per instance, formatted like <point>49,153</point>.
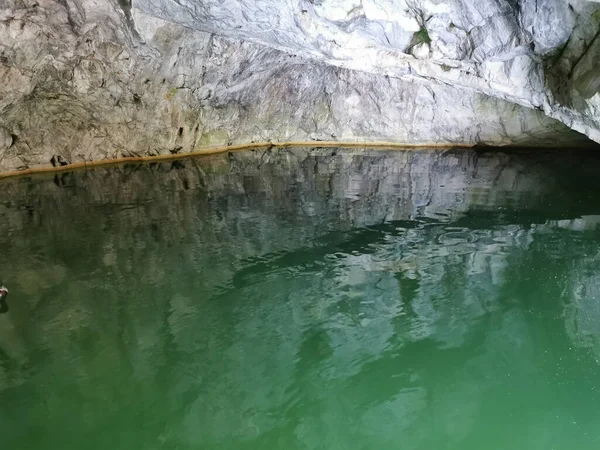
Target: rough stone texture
<point>91,80</point>
<point>502,48</point>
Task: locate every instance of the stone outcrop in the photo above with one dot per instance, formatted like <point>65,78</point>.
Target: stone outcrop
<point>537,53</point>
<point>88,80</point>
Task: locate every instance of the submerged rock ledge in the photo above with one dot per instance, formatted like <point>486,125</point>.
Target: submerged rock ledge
<point>87,80</point>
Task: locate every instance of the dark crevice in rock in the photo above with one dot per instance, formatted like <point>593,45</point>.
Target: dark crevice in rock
<point>125,6</point>
<point>583,54</point>
<point>14,140</point>
<point>58,161</point>
<point>70,19</point>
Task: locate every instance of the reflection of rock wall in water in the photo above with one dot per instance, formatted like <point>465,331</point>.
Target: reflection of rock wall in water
<point>409,268</point>
<point>582,307</point>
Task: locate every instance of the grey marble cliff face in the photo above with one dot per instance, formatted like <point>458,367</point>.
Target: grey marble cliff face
<point>97,79</point>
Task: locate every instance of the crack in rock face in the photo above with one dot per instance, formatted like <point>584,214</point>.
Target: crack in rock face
<point>90,80</point>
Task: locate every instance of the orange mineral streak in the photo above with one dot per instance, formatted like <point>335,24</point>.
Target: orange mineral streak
<point>223,149</point>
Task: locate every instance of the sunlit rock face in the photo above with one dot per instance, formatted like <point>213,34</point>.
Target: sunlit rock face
<point>88,80</point>
<point>535,53</point>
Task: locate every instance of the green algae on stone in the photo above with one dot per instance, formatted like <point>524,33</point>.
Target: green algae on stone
<point>171,93</point>
<point>421,36</point>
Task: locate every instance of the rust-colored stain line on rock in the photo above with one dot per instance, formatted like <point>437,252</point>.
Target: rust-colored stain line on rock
<point>222,149</point>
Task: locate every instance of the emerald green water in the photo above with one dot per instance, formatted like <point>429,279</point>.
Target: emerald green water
<point>305,299</point>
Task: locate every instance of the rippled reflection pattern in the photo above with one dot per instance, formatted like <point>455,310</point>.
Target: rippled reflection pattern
<point>305,299</point>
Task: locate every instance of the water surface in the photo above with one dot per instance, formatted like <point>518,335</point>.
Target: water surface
<point>305,299</point>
